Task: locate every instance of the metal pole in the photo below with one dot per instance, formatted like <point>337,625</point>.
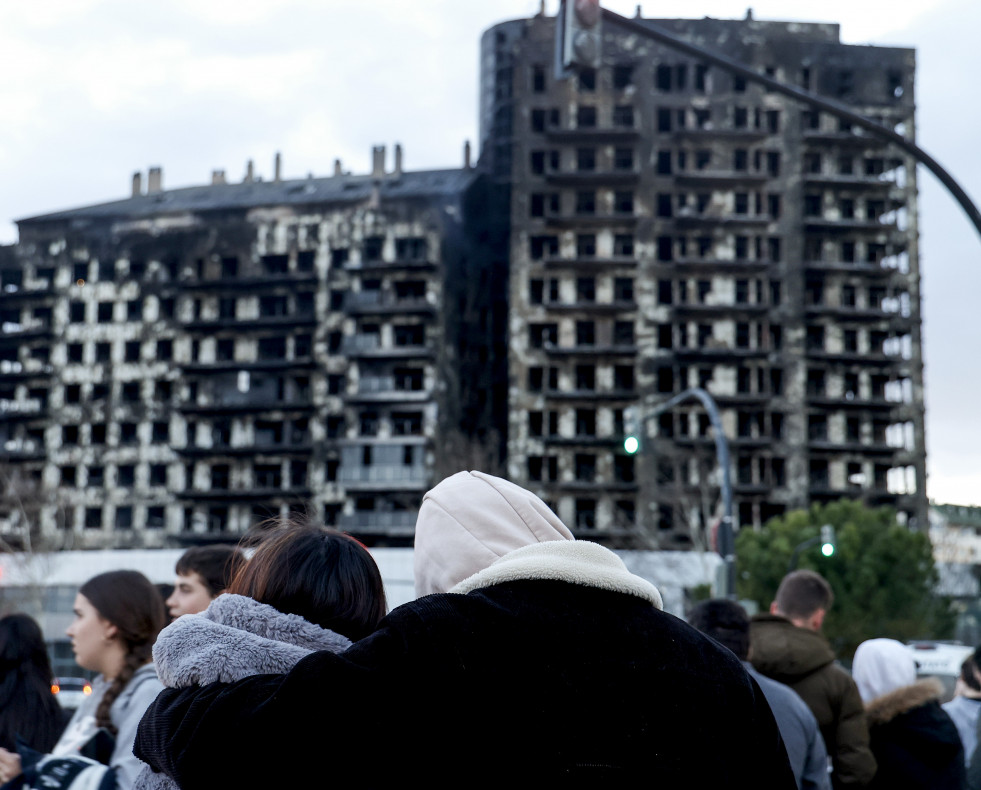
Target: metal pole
<point>651,30</point>
<point>799,548</point>
<point>727,540</point>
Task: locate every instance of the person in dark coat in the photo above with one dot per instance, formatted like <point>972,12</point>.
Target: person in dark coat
<point>915,743</point>
<point>788,647</point>
<point>531,657</point>
<point>728,624</point>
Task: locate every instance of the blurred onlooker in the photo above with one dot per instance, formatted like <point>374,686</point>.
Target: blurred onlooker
<point>27,707</point>
<point>915,744</point>
<point>118,615</point>
<point>728,624</point>
<point>787,646</point>
<point>203,573</point>
<point>964,708</point>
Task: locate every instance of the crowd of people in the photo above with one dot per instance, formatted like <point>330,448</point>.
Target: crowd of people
<point>527,656</point>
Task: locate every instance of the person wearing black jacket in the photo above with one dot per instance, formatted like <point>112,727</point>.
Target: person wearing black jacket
<point>535,658</point>
<point>915,743</point>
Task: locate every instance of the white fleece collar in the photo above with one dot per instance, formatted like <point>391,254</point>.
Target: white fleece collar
<point>574,561</point>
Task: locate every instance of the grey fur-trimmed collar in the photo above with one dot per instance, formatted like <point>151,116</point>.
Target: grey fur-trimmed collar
<point>234,638</point>
<point>889,706</point>
<point>574,561</point>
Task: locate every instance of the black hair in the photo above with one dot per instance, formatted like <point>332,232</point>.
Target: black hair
<point>27,706</point>
<point>726,622</point>
<point>323,575</point>
<point>216,565</point>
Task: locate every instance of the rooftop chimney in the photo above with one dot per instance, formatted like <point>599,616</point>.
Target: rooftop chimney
<point>466,154</point>
<point>249,172</point>
<point>278,168</point>
<point>337,168</point>
<point>377,161</point>
<point>154,181</point>
<point>218,177</point>
<point>137,184</point>
<point>398,159</point>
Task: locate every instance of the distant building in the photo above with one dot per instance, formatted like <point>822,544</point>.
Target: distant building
<point>674,226</point>
<point>180,364</point>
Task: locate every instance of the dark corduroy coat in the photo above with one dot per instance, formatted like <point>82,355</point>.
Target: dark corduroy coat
<point>524,681</point>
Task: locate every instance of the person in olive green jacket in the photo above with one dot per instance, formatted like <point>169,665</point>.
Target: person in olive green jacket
<point>787,645</point>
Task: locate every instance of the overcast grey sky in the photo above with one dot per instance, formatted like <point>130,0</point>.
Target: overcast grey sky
<point>93,90</point>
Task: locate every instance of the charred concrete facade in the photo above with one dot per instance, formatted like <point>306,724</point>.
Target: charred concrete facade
<point>182,364</point>
<point>675,226</point>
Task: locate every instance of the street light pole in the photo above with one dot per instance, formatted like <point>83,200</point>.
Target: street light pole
<point>727,538</point>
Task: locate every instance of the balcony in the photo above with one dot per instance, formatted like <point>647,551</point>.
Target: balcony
<point>377,389</point>
<point>591,306</point>
<point>304,448</point>
<point>593,134</point>
<point>875,270</point>
<point>370,346</point>
<point>297,320</point>
<point>621,349</point>
<point>689,217</point>
<point>396,264</point>
<point>381,302</point>
<point>249,283</point>
<point>251,494</point>
<point>592,178</point>
<point>590,262</point>
<point>393,477</point>
<point>397,522</point>
<point>721,177</point>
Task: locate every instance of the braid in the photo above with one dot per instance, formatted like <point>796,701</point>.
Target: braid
<point>130,602</point>
<point>136,657</point>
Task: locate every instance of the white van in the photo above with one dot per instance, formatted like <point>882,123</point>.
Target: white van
<point>941,660</point>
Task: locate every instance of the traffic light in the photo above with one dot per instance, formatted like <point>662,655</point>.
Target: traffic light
<point>827,540</point>
<point>631,430</point>
<point>579,33</point>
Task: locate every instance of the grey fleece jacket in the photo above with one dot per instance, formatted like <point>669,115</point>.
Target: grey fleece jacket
<point>126,711</point>
<point>234,638</point>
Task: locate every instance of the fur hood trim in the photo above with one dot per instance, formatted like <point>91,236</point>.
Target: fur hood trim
<point>234,638</point>
<point>887,707</point>
<point>574,561</point>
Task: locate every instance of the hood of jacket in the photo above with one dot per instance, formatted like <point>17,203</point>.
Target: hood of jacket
<point>880,666</point>
<point>902,700</point>
<point>784,652</point>
<point>575,561</point>
<point>234,638</point>
<point>469,521</point>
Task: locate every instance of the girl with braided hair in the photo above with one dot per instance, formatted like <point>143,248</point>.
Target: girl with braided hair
<point>117,618</point>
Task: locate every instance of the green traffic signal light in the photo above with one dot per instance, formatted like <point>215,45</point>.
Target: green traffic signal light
<point>828,540</point>
<point>631,445</point>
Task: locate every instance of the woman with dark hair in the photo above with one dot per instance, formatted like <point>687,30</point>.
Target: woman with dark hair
<point>305,589</point>
<point>117,618</point>
<point>323,575</point>
<point>28,709</point>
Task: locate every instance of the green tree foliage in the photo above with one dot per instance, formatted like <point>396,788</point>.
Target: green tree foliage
<point>882,573</point>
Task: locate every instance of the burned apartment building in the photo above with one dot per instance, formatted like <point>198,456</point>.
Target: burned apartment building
<point>179,365</point>
<point>675,226</point>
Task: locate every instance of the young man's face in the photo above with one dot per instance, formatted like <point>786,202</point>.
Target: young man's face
<point>190,595</point>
